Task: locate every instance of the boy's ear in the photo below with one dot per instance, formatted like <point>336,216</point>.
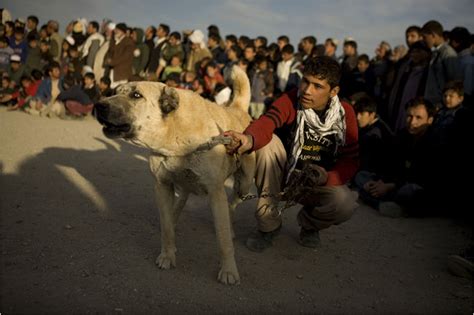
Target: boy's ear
<point>335,90</point>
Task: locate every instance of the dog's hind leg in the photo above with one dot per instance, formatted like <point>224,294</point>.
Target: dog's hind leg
<point>165,199</point>
<point>180,199</point>
<point>243,179</point>
<point>228,273</point>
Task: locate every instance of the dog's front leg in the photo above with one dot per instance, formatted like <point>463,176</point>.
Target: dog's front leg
<point>165,198</point>
<point>228,273</point>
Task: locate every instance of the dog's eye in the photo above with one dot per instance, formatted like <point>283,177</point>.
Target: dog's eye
<point>135,94</point>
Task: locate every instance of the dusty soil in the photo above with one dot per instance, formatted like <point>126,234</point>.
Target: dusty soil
<point>80,234</point>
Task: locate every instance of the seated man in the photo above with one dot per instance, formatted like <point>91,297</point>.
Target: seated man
<point>376,142</point>
<point>415,165</point>
<point>317,134</point>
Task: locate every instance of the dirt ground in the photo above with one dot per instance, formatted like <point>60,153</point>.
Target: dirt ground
<point>80,234</point>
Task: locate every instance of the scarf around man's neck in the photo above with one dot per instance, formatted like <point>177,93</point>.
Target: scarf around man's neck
<point>334,122</point>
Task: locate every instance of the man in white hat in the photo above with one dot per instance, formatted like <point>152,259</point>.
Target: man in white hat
<point>17,69</point>
<point>198,52</point>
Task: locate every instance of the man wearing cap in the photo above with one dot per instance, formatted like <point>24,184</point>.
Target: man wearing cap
<point>55,38</point>
<point>330,47</point>
<point>120,56</point>
<point>198,52</point>
<point>16,70</point>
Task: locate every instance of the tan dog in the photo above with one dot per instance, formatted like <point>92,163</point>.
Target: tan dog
<point>174,124</point>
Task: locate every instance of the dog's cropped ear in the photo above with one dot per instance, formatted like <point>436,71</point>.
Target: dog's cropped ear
<point>169,100</point>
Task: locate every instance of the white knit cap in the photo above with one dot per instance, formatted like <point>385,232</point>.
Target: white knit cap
<point>197,37</point>
<point>15,58</point>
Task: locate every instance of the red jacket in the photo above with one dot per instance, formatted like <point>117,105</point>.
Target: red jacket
<point>282,114</point>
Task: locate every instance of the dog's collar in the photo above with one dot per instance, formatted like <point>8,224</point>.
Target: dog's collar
<point>206,146</point>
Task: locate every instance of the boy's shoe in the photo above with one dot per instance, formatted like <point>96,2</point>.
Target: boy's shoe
<point>391,209</point>
<point>259,241</point>
<point>309,238</point>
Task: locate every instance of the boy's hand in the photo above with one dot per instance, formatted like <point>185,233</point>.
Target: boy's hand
<point>240,143</point>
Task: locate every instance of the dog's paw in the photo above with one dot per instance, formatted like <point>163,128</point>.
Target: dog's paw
<point>229,275</point>
<point>166,261</point>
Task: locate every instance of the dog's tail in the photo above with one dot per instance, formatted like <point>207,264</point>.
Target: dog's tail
<point>241,88</point>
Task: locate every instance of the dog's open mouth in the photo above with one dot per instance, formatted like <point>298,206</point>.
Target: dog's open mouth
<point>112,130</point>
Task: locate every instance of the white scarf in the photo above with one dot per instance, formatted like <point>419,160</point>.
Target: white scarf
<point>334,123</point>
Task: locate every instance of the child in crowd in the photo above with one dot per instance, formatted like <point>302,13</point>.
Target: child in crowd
<point>212,77</point>
<point>173,67</point>
<point>187,81</point>
<point>104,87</point>
<point>262,87</point>
<point>6,92</point>
<point>453,97</point>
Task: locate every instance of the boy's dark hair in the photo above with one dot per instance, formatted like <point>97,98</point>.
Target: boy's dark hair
<point>6,78</point>
<point>54,64</point>
<point>461,36</point>
<point>95,25</point>
<point>365,104</point>
<point>19,30</point>
<point>213,29</point>
<point>351,43</point>
<point>31,37</point>
<point>106,81</point>
<point>33,18</point>
<point>417,101</point>
<point>90,75</point>
<point>176,35</point>
<point>288,49</point>
<point>310,39</point>
<point>456,86</point>
<point>324,68</point>
<point>251,46</point>
<point>263,39</point>
<point>413,29</point>
<point>432,27</point>
<point>363,58</point>
<point>245,40</point>
<point>36,74</point>
<point>260,59</point>
<point>284,38</point>
<point>244,61</point>
<point>231,38</point>
<point>3,39</point>
<point>174,76</point>
<point>25,77</point>
<point>165,28</point>
<point>68,81</point>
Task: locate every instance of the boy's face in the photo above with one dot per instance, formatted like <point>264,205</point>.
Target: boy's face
<point>362,66</point>
<point>5,83</point>
<point>365,119</point>
<point>33,43</point>
<point>452,99</point>
<point>25,83</point>
<point>15,65</point>
<point>88,81</point>
<point>211,71</point>
<point>262,65</point>
<point>429,40</point>
<point>315,93</point>
<point>19,37</point>
<point>418,119</point>
<point>102,86</point>
<point>55,73</point>
<point>412,37</point>
<point>175,62</point>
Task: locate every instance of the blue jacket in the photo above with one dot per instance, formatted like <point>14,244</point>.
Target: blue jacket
<point>44,90</point>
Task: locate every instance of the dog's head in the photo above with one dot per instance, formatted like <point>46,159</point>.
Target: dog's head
<point>137,110</point>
